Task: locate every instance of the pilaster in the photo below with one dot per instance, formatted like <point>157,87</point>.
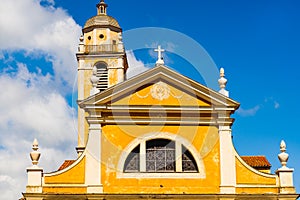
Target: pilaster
<point>93,160</point>
<point>227,161</point>
<point>34,182</point>
<point>286,180</point>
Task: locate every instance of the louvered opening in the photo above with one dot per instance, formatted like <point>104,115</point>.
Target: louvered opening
<point>102,73</point>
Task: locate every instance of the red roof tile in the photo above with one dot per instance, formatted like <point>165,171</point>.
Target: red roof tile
<point>257,161</point>
<point>66,164</point>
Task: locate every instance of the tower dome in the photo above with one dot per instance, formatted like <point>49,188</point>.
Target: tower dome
<point>102,20</point>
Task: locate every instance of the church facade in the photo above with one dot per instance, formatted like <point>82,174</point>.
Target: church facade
<point>158,135</point>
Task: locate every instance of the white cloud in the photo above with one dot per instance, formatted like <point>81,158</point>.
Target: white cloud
<point>273,102</point>
<point>26,25</point>
<point>135,66</point>
<point>168,46</point>
<point>248,112</point>
<point>2,55</point>
<point>276,105</point>
<point>32,105</point>
<point>32,110</point>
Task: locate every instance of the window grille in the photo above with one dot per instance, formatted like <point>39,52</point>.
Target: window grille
<point>188,162</point>
<point>132,163</point>
<point>160,158</point>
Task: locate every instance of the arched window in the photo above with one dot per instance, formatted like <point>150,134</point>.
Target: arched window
<point>132,162</point>
<point>160,155</point>
<point>102,74</point>
<point>188,162</point>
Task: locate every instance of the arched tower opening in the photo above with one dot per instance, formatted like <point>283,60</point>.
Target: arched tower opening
<point>102,74</point>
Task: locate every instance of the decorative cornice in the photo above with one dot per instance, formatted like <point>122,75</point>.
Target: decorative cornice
<point>160,73</point>
<point>163,196</point>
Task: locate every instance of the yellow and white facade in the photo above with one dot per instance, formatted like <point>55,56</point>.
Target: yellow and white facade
<point>158,135</point>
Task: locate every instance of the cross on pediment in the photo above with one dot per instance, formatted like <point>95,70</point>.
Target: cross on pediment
<point>159,51</point>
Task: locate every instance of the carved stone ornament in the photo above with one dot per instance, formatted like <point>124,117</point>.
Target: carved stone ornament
<point>35,155</point>
<point>160,91</point>
<point>283,156</point>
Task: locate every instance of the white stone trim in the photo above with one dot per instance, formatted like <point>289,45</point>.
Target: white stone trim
<point>174,175</point>
<point>285,177</point>
<point>81,127</point>
<point>80,78</point>
<point>34,179</point>
<point>227,161</point>
<point>69,185</point>
<point>254,170</point>
<point>67,168</point>
<point>93,160</point>
<point>183,84</point>
<point>178,156</point>
<point>142,156</point>
<point>255,186</point>
<point>161,135</point>
<point>92,153</point>
<point>95,37</point>
<point>157,121</point>
<point>158,108</point>
<point>108,36</point>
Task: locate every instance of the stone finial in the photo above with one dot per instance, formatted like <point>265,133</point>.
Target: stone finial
<point>81,44</point>
<point>94,80</point>
<point>35,173</point>
<point>222,82</point>
<point>284,173</point>
<point>283,156</point>
<point>81,39</point>
<point>160,60</point>
<point>35,155</point>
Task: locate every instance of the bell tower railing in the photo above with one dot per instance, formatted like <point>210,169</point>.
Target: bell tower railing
<point>103,48</point>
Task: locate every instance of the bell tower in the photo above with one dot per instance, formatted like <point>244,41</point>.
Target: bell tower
<point>102,61</point>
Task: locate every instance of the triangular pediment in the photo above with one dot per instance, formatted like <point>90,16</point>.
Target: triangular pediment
<point>163,87</point>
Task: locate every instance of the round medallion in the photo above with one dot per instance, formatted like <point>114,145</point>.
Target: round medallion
<point>160,91</point>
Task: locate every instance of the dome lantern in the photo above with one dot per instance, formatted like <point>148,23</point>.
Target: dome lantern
<point>102,20</point>
<point>101,7</point>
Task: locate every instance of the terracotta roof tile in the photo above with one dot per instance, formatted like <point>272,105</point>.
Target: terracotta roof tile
<point>66,164</point>
<point>257,161</point>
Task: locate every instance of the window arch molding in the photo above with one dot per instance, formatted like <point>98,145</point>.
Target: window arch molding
<point>161,135</point>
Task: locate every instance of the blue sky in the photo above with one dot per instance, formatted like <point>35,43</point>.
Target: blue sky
<point>257,42</point>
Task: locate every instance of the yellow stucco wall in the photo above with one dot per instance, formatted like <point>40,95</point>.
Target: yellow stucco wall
<point>65,190</point>
<point>175,98</point>
<point>246,176</point>
<point>87,74</point>
<point>257,190</point>
<point>75,175</point>
<point>93,37</point>
<point>204,139</point>
<point>116,138</point>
